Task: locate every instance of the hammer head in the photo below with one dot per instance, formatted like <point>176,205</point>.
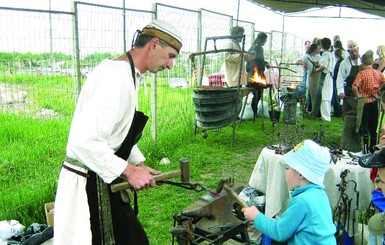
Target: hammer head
<point>228,181</point>
<point>185,170</point>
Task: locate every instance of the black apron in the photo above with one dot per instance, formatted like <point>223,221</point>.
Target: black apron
<point>350,102</point>
<point>350,79</point>
<point>318,95</point>
<point>127,229</point>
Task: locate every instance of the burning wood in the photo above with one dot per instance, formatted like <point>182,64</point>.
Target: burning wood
<point>258,78</point>
<point>293,86</point>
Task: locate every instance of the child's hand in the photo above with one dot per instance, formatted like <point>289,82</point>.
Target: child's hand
<point>250,213</point>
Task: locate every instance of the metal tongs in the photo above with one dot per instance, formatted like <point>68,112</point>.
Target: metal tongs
<point>190,186</point>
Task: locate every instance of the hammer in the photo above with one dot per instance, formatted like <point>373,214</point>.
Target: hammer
<point>183,172</point>
<point>235,196</point>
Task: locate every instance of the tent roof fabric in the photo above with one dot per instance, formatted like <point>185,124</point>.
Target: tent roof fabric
<point>374,7</point>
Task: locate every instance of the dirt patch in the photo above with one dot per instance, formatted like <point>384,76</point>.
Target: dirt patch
<point>14,99</point>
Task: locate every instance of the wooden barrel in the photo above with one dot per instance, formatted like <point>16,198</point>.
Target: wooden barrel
<point>216,107</point>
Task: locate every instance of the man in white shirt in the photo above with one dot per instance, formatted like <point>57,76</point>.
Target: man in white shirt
<point>353,60</point>
<point>325,84</point>
<point>348,70</point>
<point>234,66</point>
<point>102,149</point>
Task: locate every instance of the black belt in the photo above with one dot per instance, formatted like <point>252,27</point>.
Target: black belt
<point>85,175</point>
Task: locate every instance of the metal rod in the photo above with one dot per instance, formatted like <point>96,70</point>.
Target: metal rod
<point>217,51</point>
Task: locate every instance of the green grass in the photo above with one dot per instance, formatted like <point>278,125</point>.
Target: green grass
<point>32,150</point>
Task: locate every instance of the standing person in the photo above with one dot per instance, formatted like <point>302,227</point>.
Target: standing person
<point>347,72</point>
<point>379,63</point>
<point>322,101</point>
<point>300,62</point>
<point>366,84</point>
<point>306,46</point>
<point>317,41</point>
<point>308,217</point>
<point>303,53</point>
<point>335,99</point>
<point>338,45</point>
<point>259,63</point>
<point>311,61</point>
<point>102,148</point>
<point>335,39</point>
<point>233,61</point>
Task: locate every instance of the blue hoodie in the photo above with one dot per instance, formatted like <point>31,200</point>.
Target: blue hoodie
<point>307,220</point>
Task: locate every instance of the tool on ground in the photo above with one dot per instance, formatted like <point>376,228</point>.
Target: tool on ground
<point>183,172</point>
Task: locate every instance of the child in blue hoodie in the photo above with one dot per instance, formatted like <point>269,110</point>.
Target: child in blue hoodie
<point>308,218</point>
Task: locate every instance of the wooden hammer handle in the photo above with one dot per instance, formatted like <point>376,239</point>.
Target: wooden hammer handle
<point>235,196</point>
<point>160,177</point>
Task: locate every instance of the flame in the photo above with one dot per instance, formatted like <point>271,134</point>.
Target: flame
<point>258,78</point>
<point>293,86</point>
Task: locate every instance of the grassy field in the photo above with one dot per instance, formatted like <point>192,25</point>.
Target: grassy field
<point>32,150</point>
<point>212,159</point>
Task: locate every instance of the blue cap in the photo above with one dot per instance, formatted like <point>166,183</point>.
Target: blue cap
<point>310,160</point>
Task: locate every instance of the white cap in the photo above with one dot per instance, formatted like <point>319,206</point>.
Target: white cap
<point>352,45</point>
<point>309,159</point>
<point>165,31</point>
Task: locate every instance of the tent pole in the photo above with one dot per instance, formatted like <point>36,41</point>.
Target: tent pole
<point>239,2</point>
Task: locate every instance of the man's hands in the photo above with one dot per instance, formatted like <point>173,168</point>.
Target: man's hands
<point>341,96</point>
<point>140,176</point>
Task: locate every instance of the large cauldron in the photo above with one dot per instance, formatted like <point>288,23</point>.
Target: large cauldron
<point>216,107</point>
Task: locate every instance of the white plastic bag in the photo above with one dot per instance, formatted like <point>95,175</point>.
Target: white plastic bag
<point>248,111</point>
<point>10,228</point>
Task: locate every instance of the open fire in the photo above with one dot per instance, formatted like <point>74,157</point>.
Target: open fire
<point>258,78</point>
<point>292,86</point>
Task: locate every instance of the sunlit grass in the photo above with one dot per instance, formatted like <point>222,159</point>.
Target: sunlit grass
<point>32,150</point>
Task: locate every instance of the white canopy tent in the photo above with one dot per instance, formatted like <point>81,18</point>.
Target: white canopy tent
<point>373,7</point>
<point>358,20</point>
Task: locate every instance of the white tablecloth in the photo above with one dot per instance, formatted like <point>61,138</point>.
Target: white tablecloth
<point>269,177</point>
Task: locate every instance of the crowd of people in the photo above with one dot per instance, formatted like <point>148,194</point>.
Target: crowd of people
<point>329,71</point>
<point>338,82</point>
<point>341,82</point>
<point>107,124</point>
<point>341,68</point>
